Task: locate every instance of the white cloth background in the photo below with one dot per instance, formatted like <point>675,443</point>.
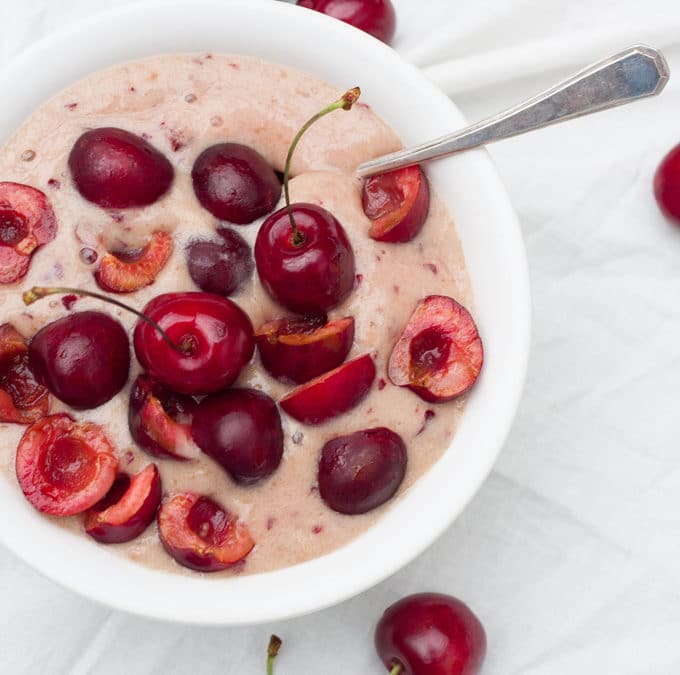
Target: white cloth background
<point>570,552</point>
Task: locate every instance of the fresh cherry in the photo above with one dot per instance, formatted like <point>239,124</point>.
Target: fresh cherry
<point>667,185</point>
<point>299,349</point>
<point>376,17</point>
<point>27,222</point>
<point>360,471</point>
<point>160,420</point>
<point>331,394</point>
<point>397,204</point>
<point>22,399</point>
<point>64,467</point>
<point>439,354</point>
<point>430,634</point>
<point>235,183</point>
<point>125,273</point>
<point>82,358</point>
<point>200,534</point>
<point>241,430</point>
<point>117,169</point>
<point>220,266</point>
<point>128,508</point>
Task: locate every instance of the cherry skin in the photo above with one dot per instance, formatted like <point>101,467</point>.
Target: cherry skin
<point>117,169</point>
<point>310,276</point>
<point>431,634</point>
<point>667,185</point>
<point>213,338</point>
<point>376,17</point>
<point>83,358</point>
<point>360,471</point>
<point>241,430</point>
<point>235,183</point>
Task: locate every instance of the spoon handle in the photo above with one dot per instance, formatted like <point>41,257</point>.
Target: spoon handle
<point>634,73</point>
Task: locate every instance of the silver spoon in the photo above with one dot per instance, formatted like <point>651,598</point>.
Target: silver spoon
<point>635,73</point>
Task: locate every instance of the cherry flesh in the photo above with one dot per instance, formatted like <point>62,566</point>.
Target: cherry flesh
<point>235,183</point>
<point>22,399</point>
<point>299,349</point>
<point>117,169</point>
<point>667,185</point>
<point>310,275</point>
<point>63,467</point>
<point>431,634</point>
<point>397,204</point>
<point>439,354</point>
<point>360,471</point>
<point>124,274</point>
<point>27,222</point>
<point>213,338</point>
<point>82,358</point>
<point>128,508</point>
<point>376,17</point>
<point>222,266</point>
<point>160,420</point>
<point>331,394</point>
<point>200,534</point>
<point>241,430</point>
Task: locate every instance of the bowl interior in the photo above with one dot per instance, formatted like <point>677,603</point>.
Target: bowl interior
<point>493,248</point>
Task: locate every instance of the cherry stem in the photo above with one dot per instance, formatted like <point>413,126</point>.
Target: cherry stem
<point>397,670</point>
<point>275,643</point>
<point>38,292</point>
<point>348,99</point>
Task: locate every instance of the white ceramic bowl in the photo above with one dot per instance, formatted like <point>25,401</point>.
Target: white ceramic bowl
<point>493,248</point>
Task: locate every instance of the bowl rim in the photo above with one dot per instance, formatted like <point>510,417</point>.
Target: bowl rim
<point>315,584</point>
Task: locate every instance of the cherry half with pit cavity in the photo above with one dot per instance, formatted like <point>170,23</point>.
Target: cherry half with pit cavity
<point>200,534</point>
<point>439,354</point>
<point>27,222</point>
<point>430,634</point>
<point>63,467</point>
<point>117,169</point>
<point>128,508</point>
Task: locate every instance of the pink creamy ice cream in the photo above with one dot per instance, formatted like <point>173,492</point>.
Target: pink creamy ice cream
<point>182,104</point>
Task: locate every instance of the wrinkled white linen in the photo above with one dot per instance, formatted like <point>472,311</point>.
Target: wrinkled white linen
<point>570,551</point>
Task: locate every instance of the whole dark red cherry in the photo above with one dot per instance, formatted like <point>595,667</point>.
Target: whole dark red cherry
<point>213,340</point>
<point>83,358</point>
<point>235,183</point>
<point>376,17</point>
<point>117,169</point>
<point>360,471</point>
<point>430,634</point>
<point>241,430</point>
<point>309,275</point>
<point>667,185</point>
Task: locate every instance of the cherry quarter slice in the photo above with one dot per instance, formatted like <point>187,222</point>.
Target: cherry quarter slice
<point>201,535</point>
<point>127,509</point>
<point>118,275</point>
<point>439,354</point>
<point>299,349</point>
<point>27,221</point>
<point>397,204</point>
<point>331,394</point>
<point>64,467</point>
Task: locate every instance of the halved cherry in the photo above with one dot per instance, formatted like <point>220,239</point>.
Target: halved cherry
<point>27,221</point>
<point>22,399</point>
<point>64,467</point>
<point>128,508</point>
<point>298,349</point>
<point>201,535</point>
<point>160,420</point>
<point>331,394</point>
<point>397,202</point>
<point>439,354</point>
<point>125,274</point>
